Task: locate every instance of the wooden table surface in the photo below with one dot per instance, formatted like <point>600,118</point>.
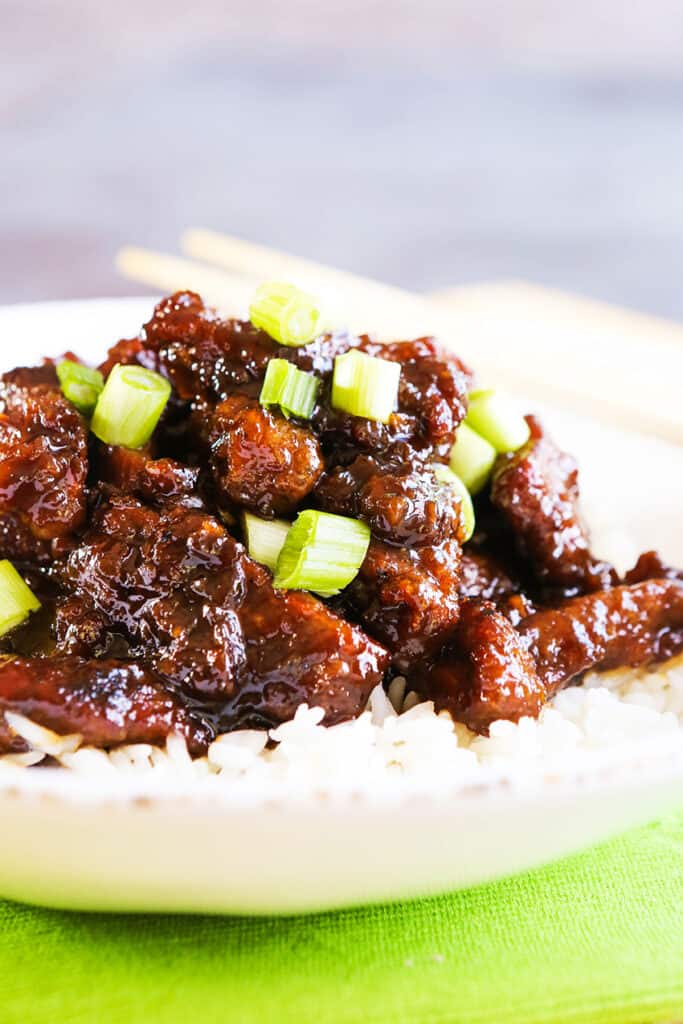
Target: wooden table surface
<point>454,143</point>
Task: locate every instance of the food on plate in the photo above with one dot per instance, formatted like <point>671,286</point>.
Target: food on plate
<point>230,519</point>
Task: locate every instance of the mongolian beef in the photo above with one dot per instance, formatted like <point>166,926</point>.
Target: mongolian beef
<point>229,519</point>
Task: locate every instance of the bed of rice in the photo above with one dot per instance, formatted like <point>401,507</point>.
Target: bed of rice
<point>609,720</point>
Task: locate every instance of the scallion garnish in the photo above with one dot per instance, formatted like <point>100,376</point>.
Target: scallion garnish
<point>81,385</point>
<point>130,406</point>
<point>472,458</point>
<point>287,314</point>
<point>446,476</point>
<point>490,416</point>
<point>293,390</point>
<point>365,385</point>
<point>264,538</point>
<point>17,600</point>
<point>322,552</point>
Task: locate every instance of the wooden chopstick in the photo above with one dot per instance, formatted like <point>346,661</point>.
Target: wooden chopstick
<point>229,292</point>
<point>631,378</point>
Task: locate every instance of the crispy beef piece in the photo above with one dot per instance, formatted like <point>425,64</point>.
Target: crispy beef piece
<point>204,356</point>
<point>18,543</point>
<point>43,377</point>
<point>402,504</point>
<point>650,566</point>
<point>344,436</point>
<point>627,625</point>
<point>537,492</point>
<point>260,459</point>
<point>482,576</point>
<point>484,673</point>
<point>407,598</point>
<point>205,616</point>
<point>79,628</point>
<point>128,352</point>
<point>153,480</point>
<point>107,702</point>
<point>432,400</point>
<point>299,650</point>
<point>433,387</point>
<point>43,464</point>
<point>318,357</point>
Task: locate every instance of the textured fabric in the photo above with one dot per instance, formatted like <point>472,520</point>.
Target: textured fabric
<point>597,938</point>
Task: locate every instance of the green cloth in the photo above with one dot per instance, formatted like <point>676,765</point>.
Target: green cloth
<point>596,938</point>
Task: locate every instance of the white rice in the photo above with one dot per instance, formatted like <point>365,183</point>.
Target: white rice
<point>609,720</point>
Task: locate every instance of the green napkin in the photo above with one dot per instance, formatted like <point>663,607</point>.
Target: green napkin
<point>597,938</point>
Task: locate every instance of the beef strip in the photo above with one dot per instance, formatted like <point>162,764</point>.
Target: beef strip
<point>407,598</point>
<point>482,576</point>
<point>484,672</point>
<point>432,400</point>
<point>17,542</point>
<point>204,615</point>
<point>107,702</point>
<point>433,387</point>
<point>537,492</point>
<point>651,566</point>
<point>43,464</point>
<point>204,356</point>
<point>403,504</point>
<point>138,473</point>
<point>627,625</point>
<point>260,459</point>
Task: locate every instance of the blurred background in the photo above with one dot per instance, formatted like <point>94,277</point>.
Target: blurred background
<point>426,144</point>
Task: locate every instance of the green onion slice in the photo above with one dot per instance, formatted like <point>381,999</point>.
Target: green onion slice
<point>365,385</point>
<point>293,390</point>
<point>287,314</point>
<point>490,415</point>
<point>446,476</point>
<point>17,600</point>
<point>81,385</point>
<point>472,458</point>
<point>130,406</point>
<point>322,552</point>
<point>264,538</point>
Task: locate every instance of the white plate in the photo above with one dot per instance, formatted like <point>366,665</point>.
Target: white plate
<point>120,845</point>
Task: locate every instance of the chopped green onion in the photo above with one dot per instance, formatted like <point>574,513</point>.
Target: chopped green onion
<point>472,458</point>
<point>130,406</point>
<point>365,385</point>
<point>264,538</point>
<point>287,314</point>
<point>17,600</point>
<point>490,416</point>
<point>293,390</point>
<point>322,552</point>
<point>81,385</point>
<point>446,476</point>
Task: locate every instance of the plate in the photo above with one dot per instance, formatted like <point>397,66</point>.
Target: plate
<point>122,844</point>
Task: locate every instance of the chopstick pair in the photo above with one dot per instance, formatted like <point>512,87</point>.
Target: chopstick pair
<point>623,368</point>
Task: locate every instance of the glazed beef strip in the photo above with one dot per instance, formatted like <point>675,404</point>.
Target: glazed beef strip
<point>627,625</point>
<point>107,702</point>
<point>536,490</point>
<point>207,618</point>
<point>402,504</point>
<point>485,671</point>
<point>407,598</point>
<point>261,460</point>
<point>650,566</point>
<point>43,464</point>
